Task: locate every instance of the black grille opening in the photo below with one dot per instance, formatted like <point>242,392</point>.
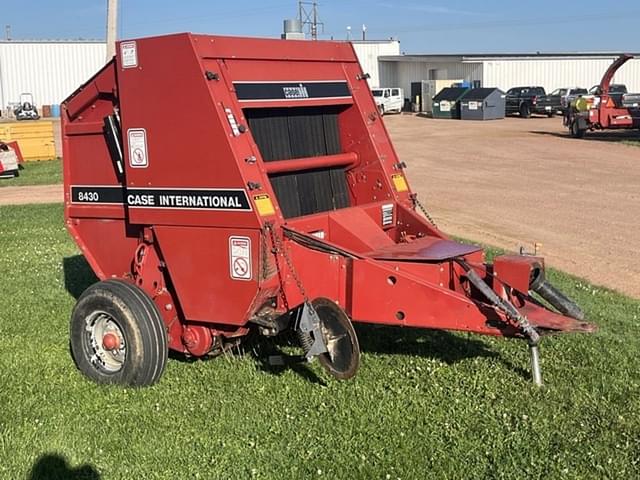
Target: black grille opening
<point>289,133</point>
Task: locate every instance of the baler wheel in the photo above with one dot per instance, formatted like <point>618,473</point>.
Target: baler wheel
<point>343,358</point>
<point>118,336</point>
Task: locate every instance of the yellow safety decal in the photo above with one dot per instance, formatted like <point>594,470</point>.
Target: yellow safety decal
<point>399,182</point>
<point>264,205</point>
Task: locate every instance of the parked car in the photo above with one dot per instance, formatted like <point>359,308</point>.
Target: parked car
<point>525,101</point>
<point>388,99</point>
<point>558,100</point>
<point>631,100</point>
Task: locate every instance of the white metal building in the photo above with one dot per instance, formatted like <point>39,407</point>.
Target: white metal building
<point>549,70</point>
<point>369,51</point>
<point>50,70</point>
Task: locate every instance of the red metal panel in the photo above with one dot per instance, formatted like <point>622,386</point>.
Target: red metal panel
<point>197,148</point>
<point>383,293</point>
<point>108,245</point>
<point>424,249</point>
<point>286,51</point>
<point>515,270</point>
<point>355,230</point>
<point>199,262</point>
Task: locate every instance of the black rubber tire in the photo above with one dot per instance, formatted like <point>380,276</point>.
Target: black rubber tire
<point>525,111</point>
<point>551,114</point>
<point>576,131</point>
<point>142,328</point>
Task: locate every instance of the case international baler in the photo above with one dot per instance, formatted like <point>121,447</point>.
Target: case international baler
<point>222,185</point>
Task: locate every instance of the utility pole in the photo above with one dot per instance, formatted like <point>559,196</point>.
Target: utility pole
<point>308,15</point>
<point>112,25</point>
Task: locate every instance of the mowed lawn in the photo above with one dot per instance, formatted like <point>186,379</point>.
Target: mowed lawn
<point>47,172</point>
<point>425,404</point>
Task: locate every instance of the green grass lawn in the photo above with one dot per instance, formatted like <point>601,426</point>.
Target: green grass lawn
<point>425,404</point>
<point>36,173</point>
<point>633,143</point>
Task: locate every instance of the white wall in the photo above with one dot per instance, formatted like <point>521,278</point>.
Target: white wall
<point>49,70</point>
<point>402,73</point>
<point>368,53</point>
<point>556,73</point>
<point>507,73</point>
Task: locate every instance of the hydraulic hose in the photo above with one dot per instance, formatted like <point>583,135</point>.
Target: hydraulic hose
<point>560,302</point>
<point>503,305</point>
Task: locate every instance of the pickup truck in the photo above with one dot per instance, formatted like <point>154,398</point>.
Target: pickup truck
<point>558,100</point>
<point>616,92</point>
<point>631,100</point>
<point>526,101</point>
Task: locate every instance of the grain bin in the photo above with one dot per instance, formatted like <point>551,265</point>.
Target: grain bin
<point>446,104</point>
<point>482,104</point>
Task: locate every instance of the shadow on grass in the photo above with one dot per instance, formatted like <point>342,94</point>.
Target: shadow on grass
<point>77,275</point>
<point>265,349</point>
<point>620,136</point>
<point>437,344</point>
<point>52,466</point>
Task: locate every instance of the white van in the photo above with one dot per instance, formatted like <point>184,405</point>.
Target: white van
<point>388,99</point>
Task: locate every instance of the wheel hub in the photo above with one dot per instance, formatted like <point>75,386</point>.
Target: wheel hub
<point>110,342</point>
<point>106,342</point>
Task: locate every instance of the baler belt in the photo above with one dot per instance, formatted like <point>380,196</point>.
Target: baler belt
<point>289,133</point>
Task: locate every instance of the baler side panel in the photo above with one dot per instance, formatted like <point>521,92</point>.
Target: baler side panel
<point>202,265</point>
<point>328,272</point>
<point>87,163</point>
<point>378,176</point>
<point>190,143</point>
<point>405,299</point>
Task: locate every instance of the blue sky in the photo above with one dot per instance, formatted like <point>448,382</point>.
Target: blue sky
<point>442,26</point>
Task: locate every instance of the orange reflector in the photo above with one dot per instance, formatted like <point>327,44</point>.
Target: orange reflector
<point>399,182</point>
<point>264,205</point>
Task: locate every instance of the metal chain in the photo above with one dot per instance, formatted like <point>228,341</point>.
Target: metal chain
<point>416,203</point>
<point>279,247</point>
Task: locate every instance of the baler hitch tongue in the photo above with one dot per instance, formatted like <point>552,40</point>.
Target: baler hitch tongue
<point>532,335</point>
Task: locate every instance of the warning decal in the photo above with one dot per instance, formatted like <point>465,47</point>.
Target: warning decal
<point>138,148</point>
<point>240,258</point>
<point>399,182</point>
<point>129,54</point>
<point>264,205</point>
